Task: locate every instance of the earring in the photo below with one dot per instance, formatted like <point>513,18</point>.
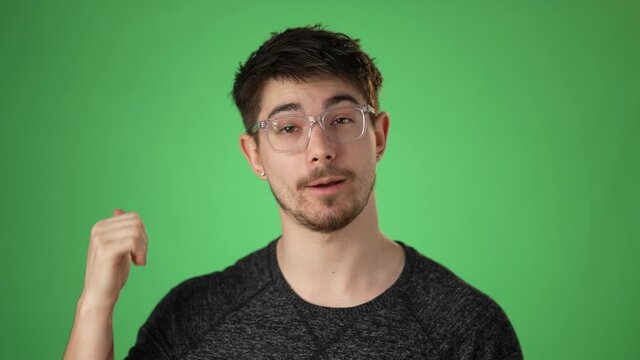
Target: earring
<point>262,173</point>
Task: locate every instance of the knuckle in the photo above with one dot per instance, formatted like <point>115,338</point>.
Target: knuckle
<point>131,241</point>
<point>95,228</point>
<point>97,239</point>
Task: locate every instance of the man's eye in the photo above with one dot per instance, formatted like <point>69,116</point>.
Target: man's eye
<point>341,121</point>
<point>287,129</point>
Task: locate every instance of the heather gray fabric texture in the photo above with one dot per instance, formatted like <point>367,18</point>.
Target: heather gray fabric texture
<point>248,311</point>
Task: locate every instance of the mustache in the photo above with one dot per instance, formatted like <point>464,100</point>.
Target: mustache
<point>318,173</point>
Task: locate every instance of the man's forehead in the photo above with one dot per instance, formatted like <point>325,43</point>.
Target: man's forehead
<point>290,94</point>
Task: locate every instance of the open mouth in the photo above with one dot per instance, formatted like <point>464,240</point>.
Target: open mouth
<point>326,186</point>
<point>329,184</point>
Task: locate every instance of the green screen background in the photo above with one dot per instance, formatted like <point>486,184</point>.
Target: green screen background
<point>513,154</point>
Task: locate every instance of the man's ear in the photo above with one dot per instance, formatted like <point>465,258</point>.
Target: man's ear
<point>381,131</point>
<point>252,154</point>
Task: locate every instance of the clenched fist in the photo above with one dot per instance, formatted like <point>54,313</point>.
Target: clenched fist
<point>115,243</point>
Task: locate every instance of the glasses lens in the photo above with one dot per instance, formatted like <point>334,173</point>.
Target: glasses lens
<point>342,125</point>
<point>288,133</point>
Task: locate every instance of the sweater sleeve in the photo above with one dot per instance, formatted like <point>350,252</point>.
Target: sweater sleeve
<point>154,340</point>
<point>493,338</point>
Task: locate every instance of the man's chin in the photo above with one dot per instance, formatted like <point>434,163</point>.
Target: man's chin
<point>325,225</point>
<point>325,214</point>
<point>324,219</point>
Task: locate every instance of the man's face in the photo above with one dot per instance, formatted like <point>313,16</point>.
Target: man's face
<point>350,167</point>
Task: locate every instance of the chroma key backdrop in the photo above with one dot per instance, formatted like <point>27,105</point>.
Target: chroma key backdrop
<point>513,154</point>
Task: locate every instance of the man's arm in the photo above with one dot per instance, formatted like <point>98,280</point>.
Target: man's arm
<point>115,243</point>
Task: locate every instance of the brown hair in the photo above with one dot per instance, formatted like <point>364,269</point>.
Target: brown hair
<point>298,54</point>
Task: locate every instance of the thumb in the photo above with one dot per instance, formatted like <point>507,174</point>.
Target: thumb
<point>118,212</point>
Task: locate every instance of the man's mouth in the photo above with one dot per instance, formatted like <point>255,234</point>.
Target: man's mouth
<point>326,182</point>
<point>326,186</point>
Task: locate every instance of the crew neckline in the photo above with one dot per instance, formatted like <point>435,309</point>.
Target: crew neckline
<point>382,301</point>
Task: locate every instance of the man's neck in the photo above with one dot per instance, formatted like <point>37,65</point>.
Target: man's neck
<point>343,268</point>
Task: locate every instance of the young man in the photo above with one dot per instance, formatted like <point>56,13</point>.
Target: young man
<point>332,286</point>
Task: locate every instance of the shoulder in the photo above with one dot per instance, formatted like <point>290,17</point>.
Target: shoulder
<point>244,276</point>
<point>433,281</point>
<point>439,290</point>
<point>456,312</point>
<point>194,306</point>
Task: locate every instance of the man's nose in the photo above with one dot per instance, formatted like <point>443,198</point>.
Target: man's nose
<point>320,148</point>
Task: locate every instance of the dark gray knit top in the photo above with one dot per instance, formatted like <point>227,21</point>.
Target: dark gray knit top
<point>248,311</point>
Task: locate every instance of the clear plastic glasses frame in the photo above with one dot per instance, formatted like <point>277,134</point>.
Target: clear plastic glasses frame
<point>312,120</point>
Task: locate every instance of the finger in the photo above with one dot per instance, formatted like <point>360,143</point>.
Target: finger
<point>118,218</point>
<point>139,253</point>
<point>125,244</point>
<point>130,241</point>
<point>139,257</point>
<point>118,213</point>
<point>118,225</point>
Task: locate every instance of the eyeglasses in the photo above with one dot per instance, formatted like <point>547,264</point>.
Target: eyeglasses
<point>293,132</point>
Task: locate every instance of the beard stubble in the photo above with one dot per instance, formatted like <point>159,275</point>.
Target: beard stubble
<point>337,217</point>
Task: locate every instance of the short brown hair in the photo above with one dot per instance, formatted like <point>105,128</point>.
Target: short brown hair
<point>299,54</point>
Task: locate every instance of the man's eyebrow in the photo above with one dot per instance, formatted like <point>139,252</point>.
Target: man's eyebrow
<point>338,99</point>
<point>327,104</point>
<point>285,107</point>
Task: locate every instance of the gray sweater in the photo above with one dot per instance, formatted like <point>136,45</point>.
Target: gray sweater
<point>248,311</point>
